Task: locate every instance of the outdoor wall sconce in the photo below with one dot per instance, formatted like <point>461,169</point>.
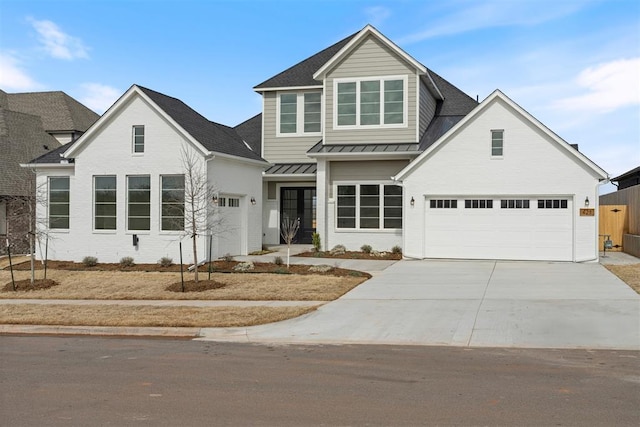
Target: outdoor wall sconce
<point>413,201</point>
<point>215,200</point>
<point>253,200</point>
<point>586,202</point>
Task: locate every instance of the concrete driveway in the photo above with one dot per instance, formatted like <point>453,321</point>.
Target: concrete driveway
<point>470,303</point>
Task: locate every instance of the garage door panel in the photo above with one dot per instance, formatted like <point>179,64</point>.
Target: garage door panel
<point>499,233</point>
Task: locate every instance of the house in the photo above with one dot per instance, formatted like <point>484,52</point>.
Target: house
<point>120,189</point>
<point>369,146</point>
<point>31,124</point>
<point>620,217</point>
<point>628,179</point>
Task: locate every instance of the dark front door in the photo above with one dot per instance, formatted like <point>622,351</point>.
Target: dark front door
<point>299,202</point>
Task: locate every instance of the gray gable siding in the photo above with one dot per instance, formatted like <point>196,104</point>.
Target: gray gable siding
<point>371,59</point>
<point>427,107</point>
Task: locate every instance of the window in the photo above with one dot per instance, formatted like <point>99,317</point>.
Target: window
<point>369,206</point>
<point>497,141</point>
<point>234,202</point>
<point>3,217</point>
<point>552,204</point>
<point>59,202</point>
<point>138,139</point>
<point>222,202</point>
<point>172,203</point>
<point>372,102</point>
<point>300,113</point>
<point>443,204</point>
<point>138,203</point>
<point>514,204</point>
<point>478,204</point>
<point>104,202</point>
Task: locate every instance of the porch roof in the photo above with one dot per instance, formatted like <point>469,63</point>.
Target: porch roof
<point>297,169</point>
<point>402,149</point>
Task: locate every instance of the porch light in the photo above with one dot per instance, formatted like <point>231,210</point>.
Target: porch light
<point>253,200</point>
<point>413,201</point>
<point>586,202</point>
<point>215,200</point>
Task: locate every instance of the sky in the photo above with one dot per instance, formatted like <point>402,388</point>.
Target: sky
<point>572,64</point>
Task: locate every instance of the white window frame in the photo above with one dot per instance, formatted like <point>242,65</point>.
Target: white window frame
<point>162,190</point>
<point>68,203</point>
<point>133,139</point>
<point>501,155</point>
<point>104,230</point>
<point>137,231</point>
<point>381,79</point>
<point>299,114</point>
<point>381,206</point>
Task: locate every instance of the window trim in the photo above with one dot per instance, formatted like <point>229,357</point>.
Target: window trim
<point>381,207</point>
<point>381,79</point>
<point>3,217</point>
<point>161,216</point>
<point>104,230</point>
<point>68,203</point>
<point>501,155</point>
<point>133,140</point>
<point>299,114</point>
<point>127,216</point>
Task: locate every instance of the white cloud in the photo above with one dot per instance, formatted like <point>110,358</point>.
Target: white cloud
<point>13,77</point>
<point>609,86</point>
<point>470,15</point>
<point>376,15</point>
<point>57,43</point>
<point>99,97</point>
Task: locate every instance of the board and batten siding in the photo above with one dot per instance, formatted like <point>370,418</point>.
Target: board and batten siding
<point>371,59</point>
<point>282,149</point>
<point>427,108</point>
<point>372,170</point>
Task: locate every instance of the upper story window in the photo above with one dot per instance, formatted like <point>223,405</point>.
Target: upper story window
<point>497,142</point>
<point>138,139</point>
<point>59,202</point>
<point>371,102</point>
<point>299,113</point>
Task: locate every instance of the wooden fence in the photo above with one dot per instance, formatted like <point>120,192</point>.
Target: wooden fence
<point>631,198</point>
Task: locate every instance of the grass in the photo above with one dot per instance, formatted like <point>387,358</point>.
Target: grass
<point>630,274</point>
<point>145,316</point>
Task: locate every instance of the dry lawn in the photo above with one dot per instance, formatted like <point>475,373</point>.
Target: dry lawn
<point>630,274</point>
<point>113,285</point>
<point>141,316</point>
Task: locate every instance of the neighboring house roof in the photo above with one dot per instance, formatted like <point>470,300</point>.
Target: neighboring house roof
<point>301,74</point>
<point>53,156</point>
<point>22,137</point>
<point>497,94</point>
<point>251,132</point>
<point>59,111</point>
<point>628,174</point>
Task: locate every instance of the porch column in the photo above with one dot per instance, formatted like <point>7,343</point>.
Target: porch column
<point>322,177</point>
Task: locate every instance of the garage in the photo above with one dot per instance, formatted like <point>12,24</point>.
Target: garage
<point>232,216</point>
<point>496,227</point>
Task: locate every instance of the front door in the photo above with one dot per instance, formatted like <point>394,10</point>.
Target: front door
<point>300,203</point>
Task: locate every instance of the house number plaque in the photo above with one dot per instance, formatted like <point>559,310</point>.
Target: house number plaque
<point>587,212</point>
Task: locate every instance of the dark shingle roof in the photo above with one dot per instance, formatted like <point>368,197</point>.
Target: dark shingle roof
<point>251,132</point>
<point>213,136</point>
<point>301,74</point>
<point>22,137</point>
<point>53,156</point>
<point>635,171</point>
<point>59,112</point>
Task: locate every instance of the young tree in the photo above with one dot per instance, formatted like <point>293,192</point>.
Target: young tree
<point>288,231</point>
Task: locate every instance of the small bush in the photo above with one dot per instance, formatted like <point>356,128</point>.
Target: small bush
<point>366,249</point>
<point>397,250</point>
<point>278,260</point>
<point>355,274</point>
<point>90,261</point>
<point>127,261</point>
<point>338,250</point>
<point>211,268</point>
<point>228,258</point>
<point>165,261</point>
<point>315,241</point>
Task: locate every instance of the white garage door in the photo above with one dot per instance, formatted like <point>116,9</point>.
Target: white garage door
<point>230,228</point>
<point>515,228</point>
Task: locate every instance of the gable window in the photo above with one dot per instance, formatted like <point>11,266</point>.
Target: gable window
<point>376,102</point>
<point>299,113</point>
<point>497,142</point>
<point>59,202</point>
<point>138,139</point>
<point>138,203</point>
<point>172,200</point>
<point>104,199</point>
<point>369,206</point>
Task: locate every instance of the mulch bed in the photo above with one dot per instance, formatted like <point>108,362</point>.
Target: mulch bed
<point>387,256</point>
<point>26,285</point>
<point>192,286</point>
<point>217,267</point>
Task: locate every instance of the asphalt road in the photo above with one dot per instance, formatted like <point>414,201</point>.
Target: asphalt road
<point>111,381</point>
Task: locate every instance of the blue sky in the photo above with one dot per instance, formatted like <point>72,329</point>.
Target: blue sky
<point>574,65</point>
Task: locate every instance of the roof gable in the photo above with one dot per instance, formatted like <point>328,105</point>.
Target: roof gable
<point>355,41</point>
<point>491,99</point>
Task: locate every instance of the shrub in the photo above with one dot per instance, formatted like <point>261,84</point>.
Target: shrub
<point>366,249</point>
<point>244,266</point>
<point>165,261</point>
<point>278,260</point>
<point>127,261</point>
<point>396,250</point>
<point>90,261</point>
<point>315,241</point>
<point>228,257</point>
<point>338,250</point>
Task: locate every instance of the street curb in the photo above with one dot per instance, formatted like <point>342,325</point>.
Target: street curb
<point>100,331</point>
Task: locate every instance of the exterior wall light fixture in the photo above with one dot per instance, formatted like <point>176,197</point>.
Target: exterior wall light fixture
<point>586,202</point>
<point>253,200</point>
<point>413,201</point>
